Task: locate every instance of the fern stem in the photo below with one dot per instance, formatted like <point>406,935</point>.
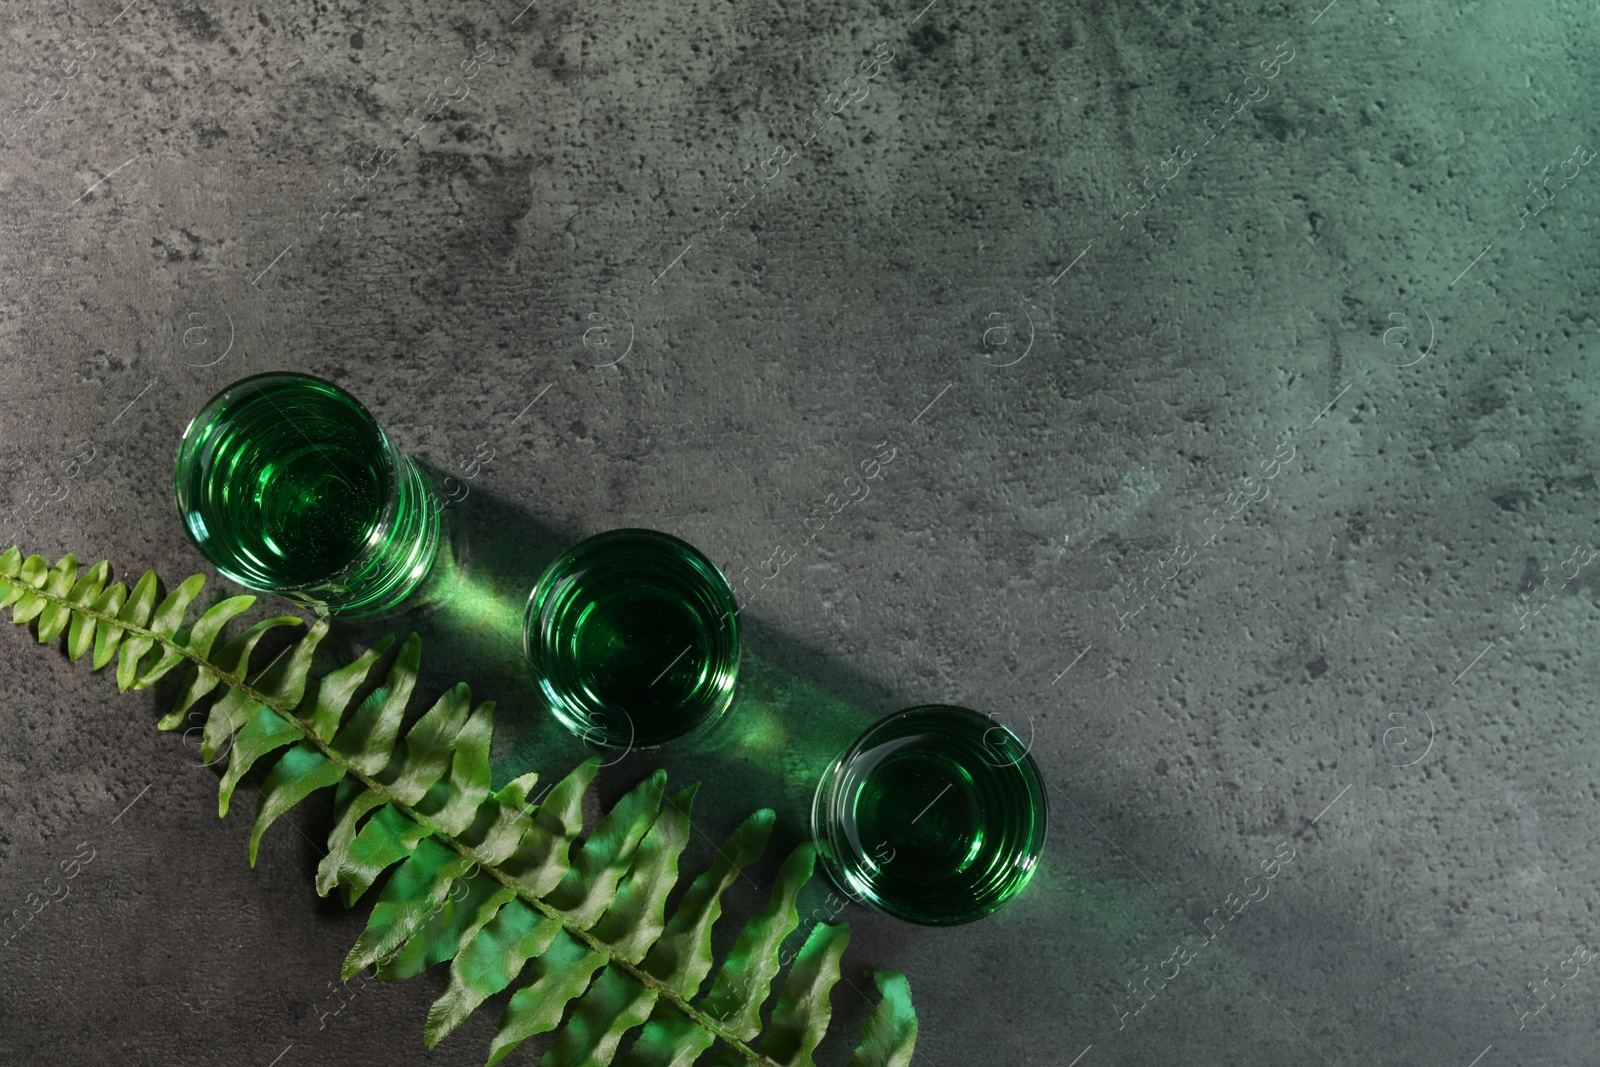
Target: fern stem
<point>662,991</point>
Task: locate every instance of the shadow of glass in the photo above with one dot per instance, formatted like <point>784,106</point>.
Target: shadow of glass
<point>768,750</point>
<point>793,712</point>
<point>1084,916</point>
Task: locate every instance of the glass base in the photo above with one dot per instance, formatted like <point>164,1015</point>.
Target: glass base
<point>385,582</point>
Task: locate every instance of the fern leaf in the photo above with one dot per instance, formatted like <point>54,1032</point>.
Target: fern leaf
<point>386,839</point>
<point>500,824</point>
<point>417,887</point>
<point>338,688</point>
<point>745,980</point>
<point>669,1039</point>
<point>80,635</point>
<point>637,915</point>
<point>366,740</point>
<point>443,933</point>
<point>196,638</point>
<point>613,1005</point>
<point>31,576</point>
<point>297,774</point>
<point>429,744</point>
<point>233,661</point>
<point>107,606</point>
<point>168,617</point>
<point>559,975</point>
<point>540,861</point>
<point>802,1013</point>
<point>352,803</point>
<point>891,1032</point>
<point>489,963</point>
<point>11,589</point>
<point>201,636</point>
<point>54,617</point>
<point>682,958</point>
<point>266,732</point>
<point>451,802</point>
<point>605,857</point>
<point>134,614</point>
<point>617,1002</point>
<point>489,882</point>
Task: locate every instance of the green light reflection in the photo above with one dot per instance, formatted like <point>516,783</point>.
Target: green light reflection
<point>769,749</point>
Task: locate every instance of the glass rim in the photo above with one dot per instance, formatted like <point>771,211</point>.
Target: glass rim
<point>391,467</point>
<point>1032,772</point>
<point>572,554</point>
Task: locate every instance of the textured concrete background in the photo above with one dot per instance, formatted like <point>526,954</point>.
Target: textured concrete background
<point>1086,267</point>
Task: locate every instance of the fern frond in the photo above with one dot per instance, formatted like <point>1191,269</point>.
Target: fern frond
<point>480,879</point>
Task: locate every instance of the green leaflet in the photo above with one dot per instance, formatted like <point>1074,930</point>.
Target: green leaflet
<point>428,747</point>
<point>109,604</point>
<point>471,902</point>
<point>337,688</point>
<point>34,574</point>
<point>681,958</point>
<point>745,980</point>
<point>367,738</point>
<point>557,976</point>
<point>636,917</point>
<point>283,681</point>
<point>167,619</point>
<point>617,1002</point>
<point>196,639</point>
<point>500,823</point>
<point>670,1039</point>
<point>589,886</point>
<point>802,1013</point>
<point>386,839</point>
<point>613,1005</point>
<point>451,803</point>
<point>267,731</point>
<point>11,590</point>
<point>352,802</point>
<point>233,660</point>
<point>80,637</point>
<point>301,771</point>
<point>891,1033</point>
<point>540,861</point>
<point>413,893</point>
<point>488,963</point>
<point>490,881</point>
<point>136,612</point>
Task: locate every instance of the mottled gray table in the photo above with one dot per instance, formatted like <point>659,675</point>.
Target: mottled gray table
<point>1236,363</point>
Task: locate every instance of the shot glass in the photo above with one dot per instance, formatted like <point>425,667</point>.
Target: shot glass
<point>633,636</point>
<point>289,486</point>
<point>935,815</point>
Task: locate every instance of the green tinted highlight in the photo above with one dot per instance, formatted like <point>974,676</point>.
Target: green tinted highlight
<point>935,815</point>
<point>289,486</point>
<point>634,638</point>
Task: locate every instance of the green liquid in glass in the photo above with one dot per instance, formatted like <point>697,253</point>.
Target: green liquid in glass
<point>634,637</point>
<point>935,815</point>
<point>288,485</point>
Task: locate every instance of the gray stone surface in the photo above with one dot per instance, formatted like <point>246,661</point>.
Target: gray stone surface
<point>1333,286</point>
